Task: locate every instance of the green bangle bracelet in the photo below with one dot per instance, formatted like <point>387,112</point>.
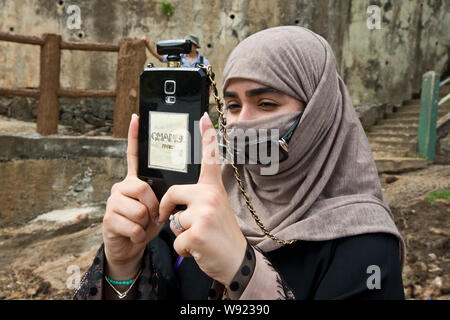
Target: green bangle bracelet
<point>118,283</point>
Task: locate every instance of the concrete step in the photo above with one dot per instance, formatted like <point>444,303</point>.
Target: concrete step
<point>393,154</point>
<point>399,164</point>
<point>412,114</point>
<point>397,147</point>
<point>411,130</point>
<point>401,116</point>
<point>411,103</point>
<point>403,122</point>
<point>391,134</point>
<point>390,144</point>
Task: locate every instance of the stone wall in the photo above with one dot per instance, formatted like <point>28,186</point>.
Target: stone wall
<point>380,66</point>
<point>91,116</point>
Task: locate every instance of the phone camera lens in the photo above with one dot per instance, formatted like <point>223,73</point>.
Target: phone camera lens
<point>169,87</point>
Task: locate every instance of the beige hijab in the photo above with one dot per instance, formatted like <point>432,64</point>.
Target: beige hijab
<point>328,188</point>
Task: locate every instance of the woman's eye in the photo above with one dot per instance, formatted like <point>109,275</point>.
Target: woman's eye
<point>267,105</point>
<point>233,106</point>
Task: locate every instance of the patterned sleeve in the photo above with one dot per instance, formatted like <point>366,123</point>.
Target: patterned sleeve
<point>93,282</point>
<point>257,279</point>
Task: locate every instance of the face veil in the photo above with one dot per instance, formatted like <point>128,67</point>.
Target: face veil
<point>328,187</point>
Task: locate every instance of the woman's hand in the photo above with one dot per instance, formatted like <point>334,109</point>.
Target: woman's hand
<point>211,234</point>
<point>131,218</point>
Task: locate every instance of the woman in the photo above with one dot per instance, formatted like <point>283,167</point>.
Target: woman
<point>328,233</point>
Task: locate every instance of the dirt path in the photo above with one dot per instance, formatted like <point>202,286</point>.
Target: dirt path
<point>425,227</point>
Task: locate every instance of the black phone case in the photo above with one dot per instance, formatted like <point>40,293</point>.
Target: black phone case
<point>192,97</point>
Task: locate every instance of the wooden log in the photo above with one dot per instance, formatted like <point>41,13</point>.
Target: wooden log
<point>428,116</point>
<point>23,92</point>
<point>89,46</point>
<point>131,60</point>
<point>48,107</point>
<point>75,93</point>
<point>4,36</point>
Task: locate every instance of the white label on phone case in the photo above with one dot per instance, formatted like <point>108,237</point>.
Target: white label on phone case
<point>168,141</point>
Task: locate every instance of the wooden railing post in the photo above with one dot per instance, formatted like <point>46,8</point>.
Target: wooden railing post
<point>130,63</point>
<point>48,107</point>
<point>428,115</point>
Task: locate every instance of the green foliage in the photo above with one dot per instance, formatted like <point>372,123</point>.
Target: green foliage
<point>406,154</point>
<point>166,8</point>
<point>442,194</point>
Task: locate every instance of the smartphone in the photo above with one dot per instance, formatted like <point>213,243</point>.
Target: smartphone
<point>171,102</point>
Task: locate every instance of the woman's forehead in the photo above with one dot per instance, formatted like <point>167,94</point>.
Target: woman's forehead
<point>250,88</point>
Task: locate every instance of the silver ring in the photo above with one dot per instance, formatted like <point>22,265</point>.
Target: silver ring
<point>176,222</point>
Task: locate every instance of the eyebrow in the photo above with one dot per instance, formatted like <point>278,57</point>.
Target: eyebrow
<point>253,92</point>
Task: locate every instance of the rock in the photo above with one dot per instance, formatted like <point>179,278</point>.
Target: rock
<point>437,282</point>
<point>419,266</point>
<point>431,291</point>
<point>90,133</point>
<point>437,231</point>
<point>93,120</point>
<point>391,179</point>
<point>407,291</point>
<point>407,271</point>
<point>445,288</point>
<point>417,290</point>
<point>78,125</point>
<point>434,268</point>
<point>32,291</point>
<point>44,287</point>
<point>432,256</point>
<point>438,244</point>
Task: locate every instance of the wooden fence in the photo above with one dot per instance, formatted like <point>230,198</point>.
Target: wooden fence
<point>130,62</point>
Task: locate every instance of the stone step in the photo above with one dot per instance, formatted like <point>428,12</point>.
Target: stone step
<point>403,122</point>
<point>393,154</point>
<point>391,134</point>
<point>399,164</point>
<point>412,130</point>
<point>410,114</point>
<point>397,147</point>
<point>383,139</point>
<point>411,103</point>
<point>391,143</point>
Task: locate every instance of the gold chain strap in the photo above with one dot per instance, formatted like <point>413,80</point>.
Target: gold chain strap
<point>219,107</point>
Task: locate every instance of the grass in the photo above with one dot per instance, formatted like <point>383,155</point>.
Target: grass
<point>166,8</point>
<point>406,154</point>
<point>442,194</point>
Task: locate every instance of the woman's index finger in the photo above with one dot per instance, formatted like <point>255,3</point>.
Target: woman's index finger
<point>132,148</point>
